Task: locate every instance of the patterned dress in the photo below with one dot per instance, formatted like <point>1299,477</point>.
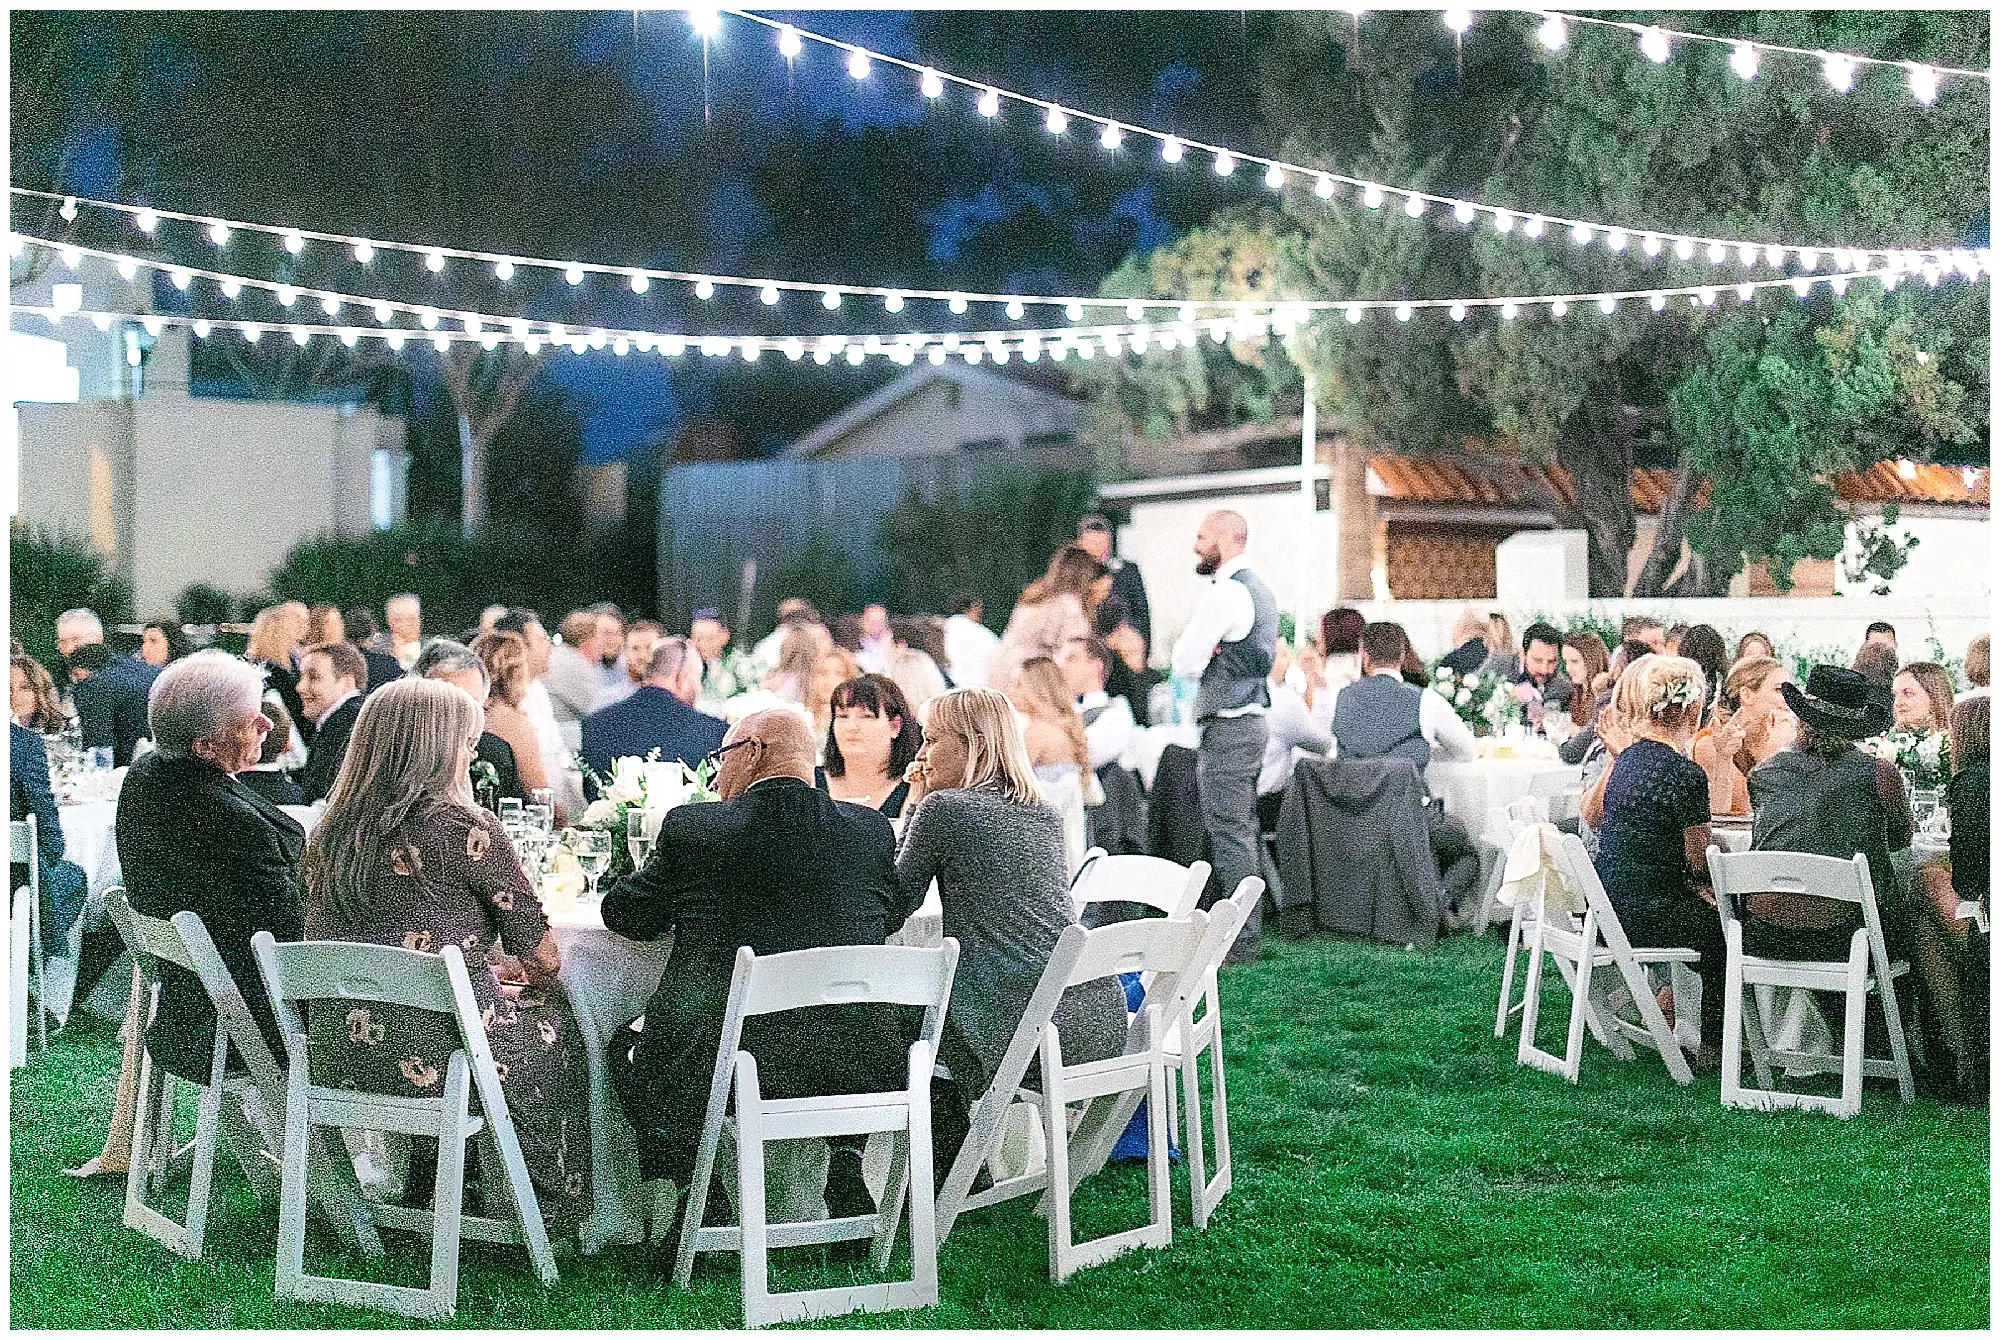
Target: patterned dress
<point>450,877</point>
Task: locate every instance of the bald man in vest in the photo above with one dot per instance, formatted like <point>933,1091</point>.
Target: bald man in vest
<point>1228,645</point>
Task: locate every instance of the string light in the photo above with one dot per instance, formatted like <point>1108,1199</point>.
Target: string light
<point>857,64</point>
<point>1112,136</point>
<point>1225,163</point>
<point>705,21</point>
<point>639,283</point>
<point>1458,20</point>
<point>294,243</point>
<point>1653,45</point>
<point>218,233</point>
<point>1170,150</point>
<point>1274,177</point>
<point>503,270</point>
<point>1057,121</point>
<point>1553,33</point>
<point>363,252</point>
<point>989,103</point>
<point>933,87</point>
<point>1743,60</point>
<point>1839,72</point>
<point>789,42</point>
<point>574,274</point>
<point>704,289</point>
<point>1923,83</point>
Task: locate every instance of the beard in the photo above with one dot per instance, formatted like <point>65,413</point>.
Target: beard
<point>1206,564</point>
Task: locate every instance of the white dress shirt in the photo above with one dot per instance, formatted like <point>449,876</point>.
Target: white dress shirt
<point>1114,730</point>
<point>1224,613</point>
<point>873,654</point>
<point>1448,735</point>
<point>969,647</point>
<point>1292,727</point>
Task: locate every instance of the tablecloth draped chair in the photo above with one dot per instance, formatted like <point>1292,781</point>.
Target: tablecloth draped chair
<point>771,984</point>
<point>1354,851</point>
<point>1867,970</point>
<point>318,970</point>
<point>1503,827</point>
<point>1150,881</point>
<point>24,848</point>
<point>1552,869</point>
<point>1195,1030</point>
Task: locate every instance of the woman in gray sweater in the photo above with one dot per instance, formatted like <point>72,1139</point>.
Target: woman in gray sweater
<point>977,825</point>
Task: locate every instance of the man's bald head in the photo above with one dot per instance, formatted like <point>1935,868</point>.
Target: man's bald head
<point>1223,535</point>
<point>777,743</point>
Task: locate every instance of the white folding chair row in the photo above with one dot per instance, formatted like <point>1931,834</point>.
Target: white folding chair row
<point>1581,951</point>
<point>24,848</point>
<point>1152,881</point>
<point>1866,969</point>
<point>436,983</point>
<point>772,984</point>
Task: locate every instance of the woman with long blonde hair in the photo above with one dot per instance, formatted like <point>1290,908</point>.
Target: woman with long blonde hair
<point>1056,609</point>
<point>275,635</point>
<point>978,826</point>
<point>402,856</point>
<point>1052,730</point>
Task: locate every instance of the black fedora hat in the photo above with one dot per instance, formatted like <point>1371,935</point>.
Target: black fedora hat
<point>1838,701</point>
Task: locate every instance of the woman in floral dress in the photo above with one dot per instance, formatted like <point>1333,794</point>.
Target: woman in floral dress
<point>403,857</point>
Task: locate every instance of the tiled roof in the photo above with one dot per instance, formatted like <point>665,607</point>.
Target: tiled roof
<point>1471,481</point>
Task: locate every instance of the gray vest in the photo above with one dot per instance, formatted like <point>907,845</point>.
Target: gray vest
<point>1237,675</point>
<point>1378,716</point>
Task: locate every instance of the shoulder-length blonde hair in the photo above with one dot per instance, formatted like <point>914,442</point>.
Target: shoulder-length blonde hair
<point>273,636</point>
<point>994,750</point>
<point>506,659</point>
<point>1047,696</point>
<point>410,750</point>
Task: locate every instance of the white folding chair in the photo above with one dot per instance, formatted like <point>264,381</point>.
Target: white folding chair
<point>1065,797</point>
<point>771,984</point>
<point>25,848</point>
<point>379,974</point>
<point>1190,1036</point>
<point>1867,968</point>
<point>1581,950</point>
<point>1153,881</point>
<point>17,980</point>
<point>1503,825</point>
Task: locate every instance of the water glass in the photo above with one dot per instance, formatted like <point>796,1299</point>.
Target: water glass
<point>510,810</point>
<point>592,849</point>
<point>541,818</point>
<point>545,798</point>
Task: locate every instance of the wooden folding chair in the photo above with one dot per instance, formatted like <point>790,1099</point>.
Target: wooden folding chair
<point>1581,951</point>
<point>25,848</point>
<point>1866,969</point>
<point>771,984</point>
<point>437,983</point>
<point>1152,881</point>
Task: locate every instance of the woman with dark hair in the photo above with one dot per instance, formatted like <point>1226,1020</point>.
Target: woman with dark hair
<point>162,642</point>
<point>1340,641</point>
<point>1753,644</point>
<point>31,696</point>
<point>870,742</point>
<point>1585,657</point>
<point>1056,609</point>
<point>1703,645</point>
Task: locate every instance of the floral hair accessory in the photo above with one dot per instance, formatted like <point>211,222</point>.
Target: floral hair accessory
<point>1671,694</point>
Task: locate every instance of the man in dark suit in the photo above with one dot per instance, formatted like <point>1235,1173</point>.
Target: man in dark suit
<point>110,696</point>
<point>190,838</point>
<point>776,865</point>
<point>1094,533</point>
<point>659,714</point>
<point>382,667</point>
<point>457,665</point>
<point>332,679</point>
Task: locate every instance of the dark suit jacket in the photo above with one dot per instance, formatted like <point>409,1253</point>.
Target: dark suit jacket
<point>329,747</point>
<point>382,668</point>
<point>1466,657</point>
<point>781,867</point>
<point>190,838</point>
<point>1127,584</point>
<point>111,706</point>
<point>63,883</point>
<point>651,718</point>
<point>276,787</point>
<point>1354,845</point>
<point>1555,693</point>
<point>492,749</point>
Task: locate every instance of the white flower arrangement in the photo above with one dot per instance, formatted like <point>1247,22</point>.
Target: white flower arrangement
<point>1482,701</point>
<point>1923,755</point>
<point>639,792</point>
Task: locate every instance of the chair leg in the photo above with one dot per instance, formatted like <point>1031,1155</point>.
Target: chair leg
<point>201,1181</point>
<point>1189,1078</point>
<point>1057,1198</point>
<point>1219,1116</point>
<point>1507,976</point>
<point>1892,1017</point>
<point>138,1168</point>
<point>448,1190</point>
<point>1157,1165</point>
<point>1582,987</point>
<point>1531,998</point>
<point>1732,1020</point>
<point>923,1209</point>
<point>299,1148</point>
<point>1856,1017</point>
<point>751,1209</point>
<point>697,1202</point>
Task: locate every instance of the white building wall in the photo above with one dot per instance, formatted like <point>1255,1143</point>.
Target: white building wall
<point>1284,548</point>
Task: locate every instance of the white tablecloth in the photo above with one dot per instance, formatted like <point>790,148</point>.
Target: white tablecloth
<point>1470,790</point>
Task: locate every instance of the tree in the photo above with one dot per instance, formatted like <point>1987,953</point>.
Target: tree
<point>993,539</point>
<point>50,572</point>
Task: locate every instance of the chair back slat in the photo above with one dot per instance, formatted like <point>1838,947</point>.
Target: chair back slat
<point>1738,874</point>
<point>146,936</point>
<point>1151,945</point>
<point>1153,881</point>
<point>845,974</point>
<point>382,974</point>
<point>21,839</point>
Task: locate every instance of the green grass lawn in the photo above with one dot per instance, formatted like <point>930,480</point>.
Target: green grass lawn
<point>1394,1168</point>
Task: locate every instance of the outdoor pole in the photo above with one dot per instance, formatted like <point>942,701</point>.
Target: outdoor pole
<point>1308,458</point>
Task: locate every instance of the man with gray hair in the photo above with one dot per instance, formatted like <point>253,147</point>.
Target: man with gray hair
<point>404,613</point>
<point>108,689</point>
<point>192,838</point>
<point>659,714</point>
<point>459,666</point>
<point>76,627</point>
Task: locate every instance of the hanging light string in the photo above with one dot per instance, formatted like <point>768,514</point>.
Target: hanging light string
<point>1226,320</point>
<point>1649,243</point>
<point>1656,44</point>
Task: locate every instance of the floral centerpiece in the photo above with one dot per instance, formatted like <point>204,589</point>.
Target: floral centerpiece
<point>636,797</point>
<point>735,673</point>
<point>1924,756</point>
<point>1483,701</point>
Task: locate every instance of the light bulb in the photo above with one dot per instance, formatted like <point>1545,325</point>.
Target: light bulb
<point>936,355</point>
<point>1580,233</point>
<point>1658,302</point>
<point>597,339</point>
<point>893,303</point>
<point>794,350</point>
<point>230,288</point>
<point>330,305</point>
<point>1414,206</point>
<point>789,42</point>
<point>933,87</point>
<point>1553,33</point>
<point>383,313</point>
<point>1694,299</point>
<point>830,299</point>
<point>363,252</point>
<point>1057,121</point>
<point>1112,136</point>
<point>1707,296</point>
<point>1371,195</point>
<point>640,283</point>
<point>1559,308</point>
<point>1508,311</point>
<point>1323,188</point>
<point>252,334</point>
<point>201,329</point>
<point>1464,212</point>
<point>1135,311</point>
<point>1746,254</point>
<point>971,353</point>
<point>1074,311</point>
<point>1774,256</point>
<point>704,289</point>
<point>1086,352</point>
<point>1839,72</point>
<point>1057,353</point>
<point>1615,239</point>
<point>503,270</point>
<point>1843,259</point>
<point>1653,45</point>
<point>1650,245</point>
<point>1801,286</point>
<point>434,262</point>
<point>673,346</point>
<point>1458,311</point>
<point>182,279</point>
<point>1607,304</point>
<point>989,102</point>
<point>1923,82</point>
<point>1353,314</point>
<point>1014,309</point>
<point>1170,150</point>
<point>101,321</point>
<point>1218,329</point>
<point>1503,222</point>
<point>148,220</point>
<point>1402,311</point>
<point>294,243</point>
<point>1274,177</point>
<point>1743,60</point>
<point>768,295</point>
<point>1532,226</point>
<point>1745,292</point>
<point>396,339</point>
<point>1458,19</point>
<point>1169,341</point>
<point>218,233</point>
<point>707,22</point>
<point>428,319</point>
<point>532,345</point>
<point>68,210</point>
<point>301,336</point>
<point>1187,312</point>
<point>1684,248</point>
<point>470,321</point>
<point>857,63</point>
<point>287,295</point>
<point>153,325</point>
<point>574,274</point>
<point>1225,162</point>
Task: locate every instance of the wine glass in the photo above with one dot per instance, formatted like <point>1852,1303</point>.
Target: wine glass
<point>641,848</point>
<point>540,818</point>
<point>510,810</point>
<point>544,798</point>
<point>592,848</point>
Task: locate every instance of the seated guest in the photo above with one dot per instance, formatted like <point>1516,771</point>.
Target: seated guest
<point>63,882</point>
<point>403,857</point>
<point>1876,662</point>
<point>109,691</point>
<point>31,697</point>
<point>192,838</point>
<point>1290,725</point>
<point>457,665</point>
<point>1468,642</point>
<point>1921,697</point>
<point>659,715</point>
<point>778,866</point>
<point>1969,800</point>
<point>267,776</point>
<point>1752,722</point>
<point>915,645</point>
<point>558,740</point>
<point>1058,749</point>
<point>1340,639</point>
<point>576,674</point>
<point>331,681</point>
<point>1587,666</point>
<point>629,671</point>
<point>980,829</point>
<point>1117,822</point>
<point>1703,645</point>
<point>505,656</point>
<point>872,740</point>
<point>1540,675</point>
<point>832,669</point>
<point>1978,666</point>
<point>274,644</point>
<point>359,624</point>
<point>1754,644</point>
<point>162,642</point>
<point>1501,658</point>
<point>1880,634</point>
<point>1652,833</point>
<point>1646,630</point>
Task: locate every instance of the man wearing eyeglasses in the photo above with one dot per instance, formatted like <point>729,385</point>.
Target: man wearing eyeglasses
<point>777,865</point>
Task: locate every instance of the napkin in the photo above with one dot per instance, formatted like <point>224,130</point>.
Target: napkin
<point>1534,871</point>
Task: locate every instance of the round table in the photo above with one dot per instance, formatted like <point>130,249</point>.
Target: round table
<point>1472,789</point>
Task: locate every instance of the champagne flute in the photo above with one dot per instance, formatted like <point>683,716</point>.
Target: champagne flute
<point>592,848</point>
<point>641,848</point>
<point>510,810</point>
<point>540,818</point>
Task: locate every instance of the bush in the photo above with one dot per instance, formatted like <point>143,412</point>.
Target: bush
<point>53,571</point>
<point>201,603</point>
